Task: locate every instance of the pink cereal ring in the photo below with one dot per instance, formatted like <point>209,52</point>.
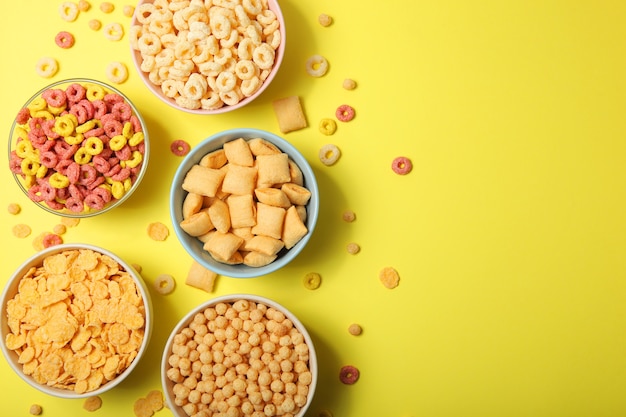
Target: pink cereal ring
<point>97,182</point>
<point>100,107</point>
<point>54,204</point>
<point>103,193</point>
<point>401,165</point>
<point>75,92</point>
<point>125,153</point>
<point>179,147</point>
<point>121,175</point>
<point>51,239</point>
<point>74,204</point>
<point>100,164</point>
<point>134,120</point>
<point>112,98</point>
<point>49,131</point>
<point>22,116</point>
<point>87,174</point>
<point>72,172</point>
<point>345,113</point>
<point>122,111</point>
<point>34,193</point>
<point>348,374</point>
<point>64,40</point>
<point>49,159</point>
<point>113,128</point>
<point>55,97</point>
<point>48,192</point>
<point>94,201</point>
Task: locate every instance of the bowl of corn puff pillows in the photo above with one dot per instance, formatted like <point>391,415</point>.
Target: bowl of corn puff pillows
<point>207,57</point>
<point>244,202</point>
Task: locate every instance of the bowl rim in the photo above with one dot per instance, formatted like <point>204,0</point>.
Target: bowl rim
<point>37,259</point>
<point>164,365</point>
<point>217,141</point>
<point>140,175</point>
<point>280,53</point>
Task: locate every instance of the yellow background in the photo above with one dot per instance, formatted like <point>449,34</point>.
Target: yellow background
<point>509,234</point>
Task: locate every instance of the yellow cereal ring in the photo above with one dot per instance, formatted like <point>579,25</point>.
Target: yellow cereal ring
<point>29,181</point>
<point>56,110</point>
<point>73,117</point>
<point>74,140</point>
<point>88,125</point>
<point>64,125</point>
<point>41,171</point>
<point>29,167</point>
<point>117,142</point>
<point>37,104</point>
<point>134,160</point>
<point>128,183</point>
<point>44,114</point>
<point>58,180</point>
<point>327,126</point>
<point>94,92</point>
<point>94,145</point>
<point>127,131</point>
<point>82,156</point>
<point>136,139</point>
<point>23,148</point>
<point>117,189</point>
<point>21,133</point>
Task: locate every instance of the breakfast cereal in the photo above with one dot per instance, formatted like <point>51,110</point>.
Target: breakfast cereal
<point>113,31</point>
<point>70,221</point>
<point>92,403</point>
<point>94,24</point>
<point>345,113</point>
<point>316,66</point>
<point>21,230</point>
<point>327,126</point>
<point>116,72</point>
<point>51,239</point>
<point>312,281</point>
<point>35,410</point>
<point>289,114</point>
<point>107,7</point>
<point>68,11</point>
<point>325,20</point>
<point>155,400</point>
<point>128,10</point>
<point>349,84</point>
<point>158,231</point>
<point>401,165</point>
<point>329,154</point>
<point>59,229</point>
<point>354,329</point>
<point>64,40</point>
<point>348,216</point>
<point>14,208</point>
<point>389,277</point>
<point>84,324</point>
<point>200,277</point>
<point>46,67</point>
<point>84,5</point>
<point>164,284</point>
<point>180,147</point>
<point>353,248</point>
<point>349,374</point>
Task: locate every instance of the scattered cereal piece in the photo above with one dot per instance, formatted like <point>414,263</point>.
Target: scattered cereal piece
<point>164,284</point>
<point>345,113</point>
<point>59,229</point>
<point>349,84</point>
<point>68,11</point>
<point>389,277</point>
<point>353,248</point>
<point>141,407</point>
<point>92,403</point>
<point>354,329</point>
<point>38,241</point>
<point>316,66</point>
<point>329,154</point>
<point>95,24</point>
<point>46,67</point>
<point>137,267</point>
<point>21,231</point>
<point>14,208</point>
<point>401,165</point>
<point>128,10</point>
<point>158,231</point>
<point>107,7</point>
<point>113,31</point>
<point>289,114</point>
<point>51,239</point>
<point>200,277</point>
<point>155,400</point>
<point>116,72</point>
<point>70,221</point>
<point>349,374</point>
<point>84,5</point>
<point>325,20</point>
<point>180,147</point>
<point>64,40</point>
<point>35,410</point>
<point>312,281</point>
<point>328,126</point>
<point>348,216</point>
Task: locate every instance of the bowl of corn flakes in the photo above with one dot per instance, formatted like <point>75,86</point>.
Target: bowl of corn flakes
<point>244,203</point>
<point>253,355</point>
<point>77,319</point>
<point>78,148</point>
<point>207,58</point>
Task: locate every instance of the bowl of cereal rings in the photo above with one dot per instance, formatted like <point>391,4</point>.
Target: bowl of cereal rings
<point>252,355</point>
<point>207,57</point>
<point>78,148</point>
<point>244,203</point>
<point>77,320</point>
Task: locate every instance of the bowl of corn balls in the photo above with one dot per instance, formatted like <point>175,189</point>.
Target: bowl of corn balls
<point>207,58</point>
<point>77,319</point>
<point>244,203</point>
<point>78,148</point>
<point>239,355</point>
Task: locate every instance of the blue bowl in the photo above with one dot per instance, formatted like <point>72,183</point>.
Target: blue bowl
<point>194,246</point>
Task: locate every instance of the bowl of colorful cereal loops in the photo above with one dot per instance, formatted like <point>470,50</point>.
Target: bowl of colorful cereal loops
<point>239,355</point>
<point>207,57</point>
<point>244,203</point>
<point>77,320</point>
<point>78,148</point>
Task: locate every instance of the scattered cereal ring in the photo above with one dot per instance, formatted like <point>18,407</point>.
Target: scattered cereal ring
<point>116,72</point>
<point>349,84</point>
<point>164,284</point>
<point>354,329</point>
<point>348,216</point>
<point>35,410</point>
<point>180,148</point>
<point>51,239</point>
<point>14,208</point>
<point>329,154</point>
<point>345,113</point>
<point>328,126</point>
<point>353,248</point>
<point>401,165</point>
<point>349,374</point>
<point>325,20</point>
<point>68,11</point>
<point>21,231</point>
<point>46,67</point>
<point>113,31</point>
<point>158,231</point>
<point>312,281</point>
<point>64,40</point>
<point>389,277</point>
<point>95,24</point>
<point>316,66</point>
<point>92,403</point>
<point>70,221</point>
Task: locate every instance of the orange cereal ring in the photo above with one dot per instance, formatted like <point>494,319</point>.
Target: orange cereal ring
<point>401,165</point>
<point>349,374</point>
<point>180,148</point>
<point>64,40</point>
<point>345,113</point>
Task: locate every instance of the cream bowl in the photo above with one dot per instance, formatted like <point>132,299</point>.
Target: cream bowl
<point>195,247</point>
<point>69,336</point>
<point>224,78</point>
<point>231,338</point>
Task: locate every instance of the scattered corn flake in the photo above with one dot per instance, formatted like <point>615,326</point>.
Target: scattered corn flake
<point>14,208</point>
<point>35,410</point>
<point>21,230</point>
<point>84,5</point>
<point>155,400</point>
<point>107,7</point>
<point>325,20</point>
<point>70,221</point>
<point>354,329</point>
<point>349,84</point>
<point>158,231</point>
<point>389,277</point>
<point>59,229</point>
<point>92,403</point>
<point>95,24</point>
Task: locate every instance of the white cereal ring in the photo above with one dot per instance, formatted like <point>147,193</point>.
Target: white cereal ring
<point>329,154</point>
<point>316,66</point>
<point>264,56</point>
<point>117,72</point>
<point>46,67</point>
<point>113,31</point>
<point>164,284</point>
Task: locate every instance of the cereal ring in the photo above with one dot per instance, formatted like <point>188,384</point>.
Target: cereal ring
<point>329,154</point>
<point>113,31</point>
<point>164,284</point>
<point>401,165</point>
<point>55,97</point>
<point>117,72</point>
<point>51,239</point>
<point>327,126</point>
<point>94,201</point>
<point>349,374</point>
<point>180,148</point>
<point>64,40</point>
<point>68,11</point>
<point>345,113</point>
<point>312,281</point>
<point>325,20</point>
<point>316,66</point>
<point>46,67</point>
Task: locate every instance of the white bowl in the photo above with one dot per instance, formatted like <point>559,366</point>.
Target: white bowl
<point>168,384</point>
<point>11,290</point>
